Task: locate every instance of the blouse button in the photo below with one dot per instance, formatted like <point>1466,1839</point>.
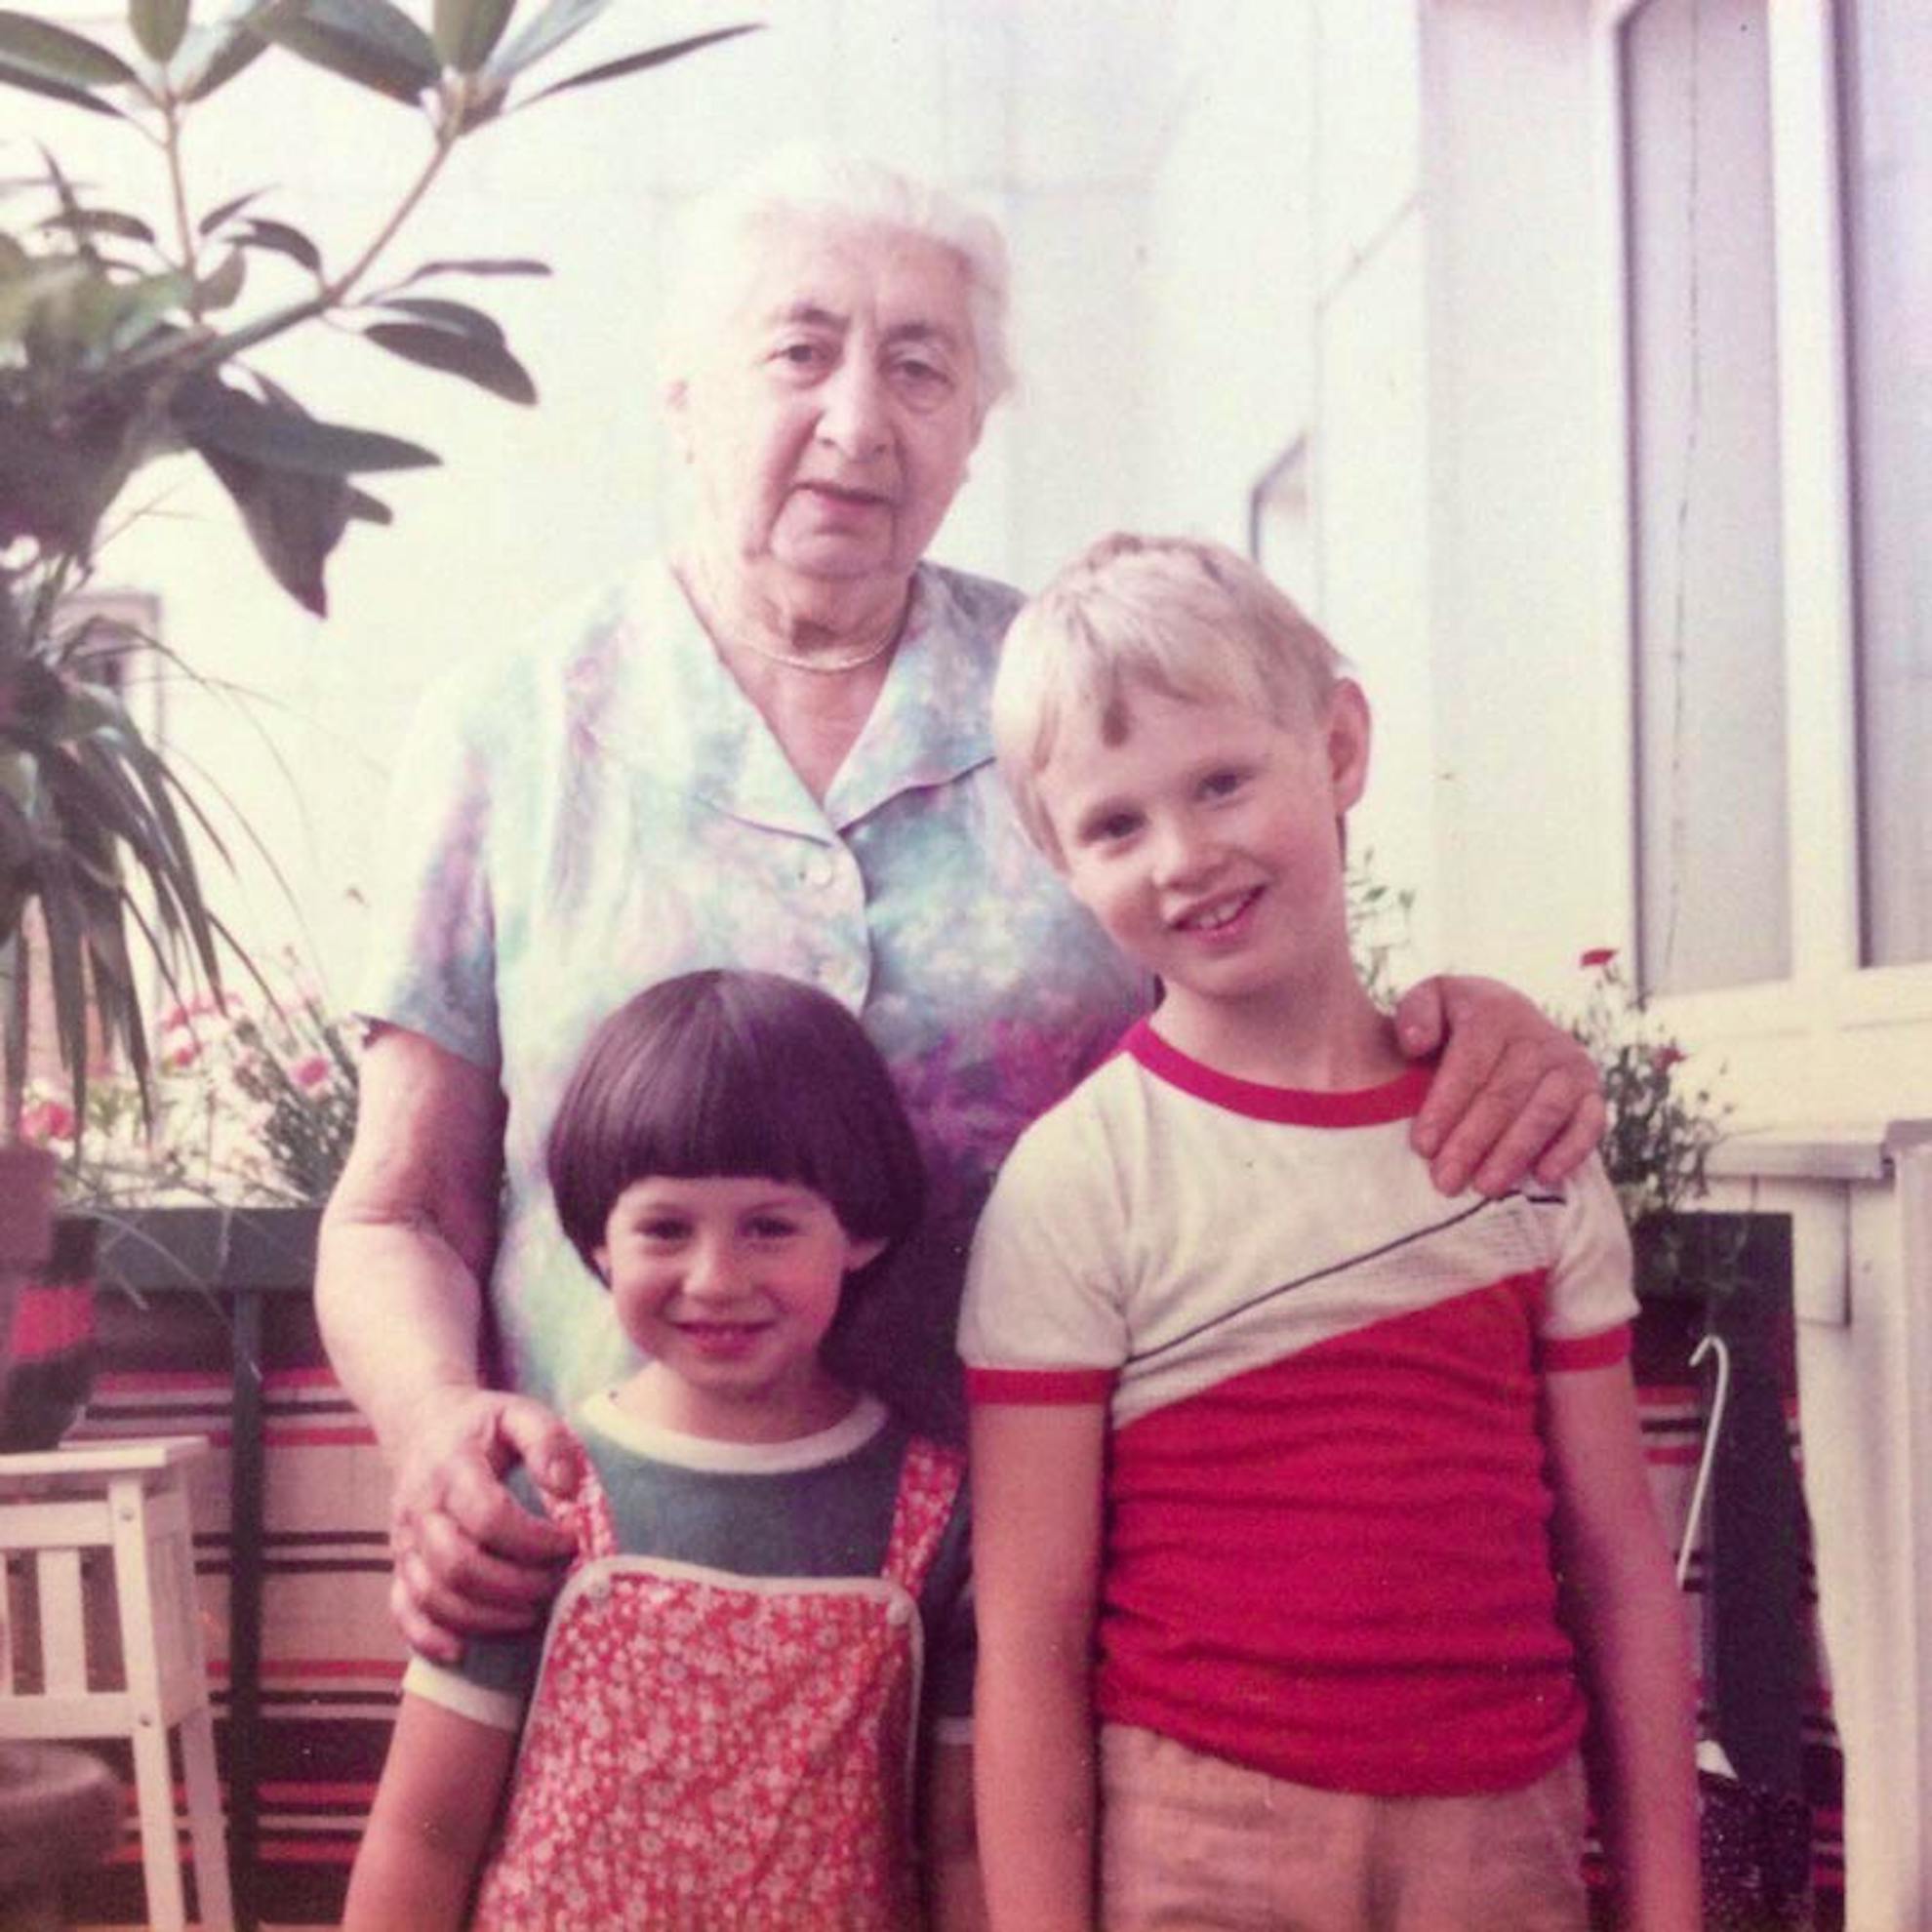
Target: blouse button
<point>820,868</point>
<point>899,1612</point>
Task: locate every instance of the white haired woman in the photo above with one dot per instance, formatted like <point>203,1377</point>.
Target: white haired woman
<point>769,750</point>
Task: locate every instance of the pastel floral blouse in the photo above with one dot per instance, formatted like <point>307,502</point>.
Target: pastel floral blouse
<point>607,808</point>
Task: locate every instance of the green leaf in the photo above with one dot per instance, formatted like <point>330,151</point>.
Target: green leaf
<point>441,314</point>
<point>227,212</point>
<point>213,56</point>
<point>487,364</point>
<point>63,966</point>
<point>223,288</point>
<point>550,29</point>
<point>158,24</point>
<point>29,81</point>
<point>369,42</point>
<point>295,521</point>
<point>636,64</point>
<point>467,32</point>
<point>215,417</point>
<point>39,47</point>
<point>281,239</point>
<point>473,266</point>
<point>99,222</point>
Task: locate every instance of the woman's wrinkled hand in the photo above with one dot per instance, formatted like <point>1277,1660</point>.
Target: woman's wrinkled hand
<point>469,1559</point>
<point>1514,1095</point>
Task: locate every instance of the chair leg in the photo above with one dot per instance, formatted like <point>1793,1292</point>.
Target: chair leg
<point>205,1821</point>
<point>154,1784</point>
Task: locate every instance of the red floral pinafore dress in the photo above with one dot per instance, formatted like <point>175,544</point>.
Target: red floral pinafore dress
<point>714,1753</point>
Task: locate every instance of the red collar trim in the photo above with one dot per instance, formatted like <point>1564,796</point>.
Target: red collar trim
<point>1399,1098</point>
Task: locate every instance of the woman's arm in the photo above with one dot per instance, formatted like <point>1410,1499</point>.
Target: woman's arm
<point>1037,1548</point>
<point>1628,1621</point>
<point>1516,1093</point>
<point>405,1243</point>
<point>442,1783</point>
<point>956,1899</point>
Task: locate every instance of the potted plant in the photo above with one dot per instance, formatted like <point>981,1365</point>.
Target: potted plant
<point>121,342</point>
<point>1657,1141</point>
<point>243,1131</point>
<point>1729,1275</point>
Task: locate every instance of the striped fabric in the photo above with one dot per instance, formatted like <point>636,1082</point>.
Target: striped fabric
<point>332,1661</point>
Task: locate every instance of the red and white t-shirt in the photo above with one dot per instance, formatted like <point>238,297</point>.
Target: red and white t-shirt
<point>1327,1517</point>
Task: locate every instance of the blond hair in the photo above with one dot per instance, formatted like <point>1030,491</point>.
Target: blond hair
<point>1179,616</point>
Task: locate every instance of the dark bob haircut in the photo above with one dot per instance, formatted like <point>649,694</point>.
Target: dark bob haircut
<point>741,1075</point>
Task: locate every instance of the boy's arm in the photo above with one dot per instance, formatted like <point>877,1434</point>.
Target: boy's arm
<point>1629,1625</point>
<point>442,1783</point>
<point>1036,1525</point>
<point>956,1899</point>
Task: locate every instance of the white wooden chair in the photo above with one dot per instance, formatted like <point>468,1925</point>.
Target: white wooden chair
<point>127,1498</point>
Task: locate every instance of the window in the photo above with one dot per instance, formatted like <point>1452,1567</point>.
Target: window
<point>1711,813</point>
<point>1885,54</point>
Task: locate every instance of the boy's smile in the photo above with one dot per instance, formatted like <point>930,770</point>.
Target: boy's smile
<point>1206,841</point>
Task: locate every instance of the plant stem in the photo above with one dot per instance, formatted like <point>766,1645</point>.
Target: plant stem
<point>223,348</point>
<point>447,132</point>
<point>171,124</point>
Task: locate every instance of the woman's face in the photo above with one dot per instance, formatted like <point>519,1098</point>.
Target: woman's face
<point>829,422</point>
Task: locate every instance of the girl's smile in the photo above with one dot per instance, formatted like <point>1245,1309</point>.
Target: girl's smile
<point>728,1284</point>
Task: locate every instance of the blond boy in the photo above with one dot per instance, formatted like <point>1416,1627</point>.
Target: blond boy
<point>1278,1454</point>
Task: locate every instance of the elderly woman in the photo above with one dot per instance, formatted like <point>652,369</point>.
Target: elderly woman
<point>769,750</point>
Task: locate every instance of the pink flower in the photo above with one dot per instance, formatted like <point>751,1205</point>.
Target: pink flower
<point>1666,1056</point>
<point>310,1072</point>
<point>1598,955</point>
<point>175,1019</point>
<point>182,1054</point>
<point>46,1120</point>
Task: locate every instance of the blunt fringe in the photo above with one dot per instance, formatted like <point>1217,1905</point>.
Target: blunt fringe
<point>739,1074</point>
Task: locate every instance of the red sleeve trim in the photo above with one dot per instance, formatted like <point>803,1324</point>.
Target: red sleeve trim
<point>1039,1386</point>
<point>1588,1352</point>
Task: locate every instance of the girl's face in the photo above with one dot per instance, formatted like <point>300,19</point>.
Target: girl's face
<point>728,1284</point>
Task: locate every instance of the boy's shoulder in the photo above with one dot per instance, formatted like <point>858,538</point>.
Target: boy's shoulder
<point>1083,1122</point>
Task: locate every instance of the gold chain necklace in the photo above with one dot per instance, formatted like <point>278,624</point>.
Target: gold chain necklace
<point>818,666</point>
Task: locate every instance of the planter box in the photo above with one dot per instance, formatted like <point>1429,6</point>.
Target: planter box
<point>1752,1589</point>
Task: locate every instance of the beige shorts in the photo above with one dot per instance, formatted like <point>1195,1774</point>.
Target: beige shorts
<point>1193,1844</point>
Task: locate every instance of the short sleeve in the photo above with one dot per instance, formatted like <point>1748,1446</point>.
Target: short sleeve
<point>1590,1302</point>
<point>492,1680</point>
<point>432,962</point>
<point>1043,1319</point>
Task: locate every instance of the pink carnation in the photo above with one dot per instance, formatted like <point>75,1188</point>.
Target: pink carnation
<point>182,1054</point>
<point>1598,955</point>
<point>310,1072</point>
<point>46,1120</point>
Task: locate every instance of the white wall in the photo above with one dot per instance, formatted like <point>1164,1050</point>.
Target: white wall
<point>1529,813</point>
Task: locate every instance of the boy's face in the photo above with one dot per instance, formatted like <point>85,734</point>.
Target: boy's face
<point>1207,843</point>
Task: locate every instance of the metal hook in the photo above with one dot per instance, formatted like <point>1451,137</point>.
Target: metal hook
<point>1709,1344</point>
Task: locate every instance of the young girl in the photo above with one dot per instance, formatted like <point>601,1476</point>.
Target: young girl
<point>720,1725</point>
